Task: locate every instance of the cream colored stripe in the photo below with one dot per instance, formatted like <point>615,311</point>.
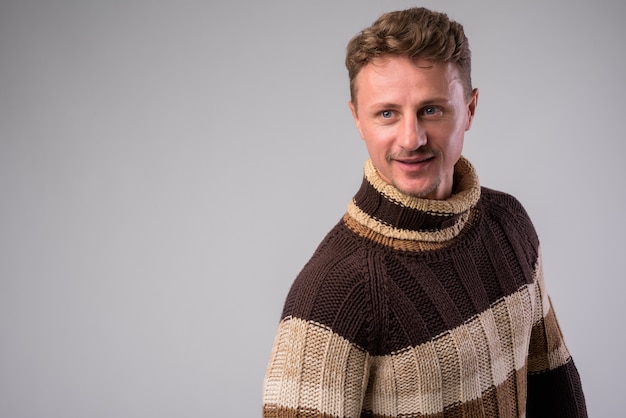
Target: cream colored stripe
<point>558,354</point>
<point>388,231</point>
<point>315,369</point>
<point>483,353</point>
<point>521,318</point>
<point>458,366</point>
<point>551,351</point>
<point>311,367</point>
<point>285,364</point>
<point>484,333</point>
<point>559,357</point>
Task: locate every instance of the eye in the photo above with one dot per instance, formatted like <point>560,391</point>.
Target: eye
<point>386,114</point>
<point>431,111</point>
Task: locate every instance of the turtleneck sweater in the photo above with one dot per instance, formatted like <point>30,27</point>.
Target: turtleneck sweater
<point>413,307</point>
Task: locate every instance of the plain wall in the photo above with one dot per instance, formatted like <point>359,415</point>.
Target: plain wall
<point>167,167</point>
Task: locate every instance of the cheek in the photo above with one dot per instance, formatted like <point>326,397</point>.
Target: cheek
<point>377,134</point>
<point>447,135</point>
<point>377,148</point>
<point>374,147</point>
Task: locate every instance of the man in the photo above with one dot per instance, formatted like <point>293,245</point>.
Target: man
<point>427,299</point>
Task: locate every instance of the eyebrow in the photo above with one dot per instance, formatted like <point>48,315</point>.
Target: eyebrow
<point>391,105</point>
<point>384,105</point>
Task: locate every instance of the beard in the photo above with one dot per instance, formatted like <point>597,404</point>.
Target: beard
<point>422,193</point>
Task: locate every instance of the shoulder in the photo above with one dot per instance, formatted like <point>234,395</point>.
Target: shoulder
<point>332,289</point>
<point>332,273</point>
<point>503,204</point>
<point>498,200</point>
<point>509,213</point>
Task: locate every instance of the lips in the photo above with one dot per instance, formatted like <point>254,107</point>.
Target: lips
<point>414,165</point>
<point>415,160</point>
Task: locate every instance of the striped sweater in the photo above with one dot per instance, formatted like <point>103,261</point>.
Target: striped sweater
<point>422,308</point>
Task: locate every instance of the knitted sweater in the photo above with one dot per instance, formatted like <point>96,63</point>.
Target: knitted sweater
<point>422,308</point>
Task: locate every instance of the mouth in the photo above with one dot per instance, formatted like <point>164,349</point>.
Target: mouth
<point>418,160</point>
<point>414,165</point>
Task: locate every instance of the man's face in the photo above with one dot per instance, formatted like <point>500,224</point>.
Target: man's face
<point>412,115</point>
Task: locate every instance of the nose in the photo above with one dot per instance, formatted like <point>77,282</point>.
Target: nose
<point>412,135</point>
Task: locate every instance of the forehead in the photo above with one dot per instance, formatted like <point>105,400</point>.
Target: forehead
<point>402,76</point>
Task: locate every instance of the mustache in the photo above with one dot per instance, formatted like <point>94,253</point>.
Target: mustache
<point>422,152</point>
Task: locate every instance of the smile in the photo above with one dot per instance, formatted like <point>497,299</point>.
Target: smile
<point>416,160</point>
<point>413,165</point>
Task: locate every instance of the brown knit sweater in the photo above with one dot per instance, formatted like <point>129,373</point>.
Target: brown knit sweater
<point>421,308</point>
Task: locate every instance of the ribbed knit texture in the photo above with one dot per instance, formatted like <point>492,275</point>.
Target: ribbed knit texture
<point>419,308</point>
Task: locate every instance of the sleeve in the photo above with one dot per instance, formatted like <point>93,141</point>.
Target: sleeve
<point>313,372</point>
<point>554,386</point>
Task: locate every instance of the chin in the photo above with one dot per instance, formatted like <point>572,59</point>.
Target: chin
<point>421,190</point>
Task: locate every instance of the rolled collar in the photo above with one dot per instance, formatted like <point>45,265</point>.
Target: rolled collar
<point>386,210</point>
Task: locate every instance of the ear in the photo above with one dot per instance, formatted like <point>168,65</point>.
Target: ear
<point>471,109</point>
<point>355,116</point>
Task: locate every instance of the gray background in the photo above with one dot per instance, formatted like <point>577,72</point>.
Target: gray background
<point>166,168</point>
